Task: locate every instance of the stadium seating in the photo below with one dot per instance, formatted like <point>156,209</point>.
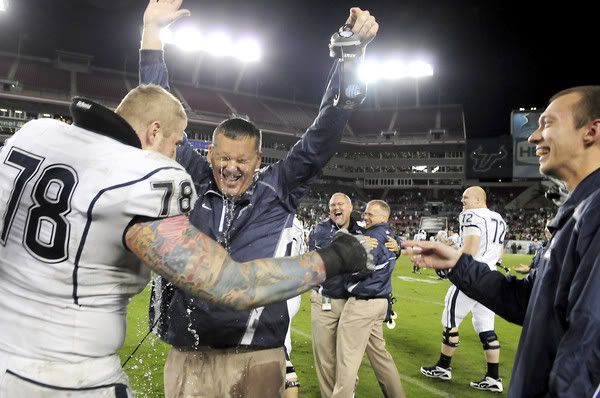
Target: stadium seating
<point>37,76</point>
<point>5,64</point>
<point>253,107</point>
<point>296,117</point>
<point>101,85</point>
<point>204,100</point>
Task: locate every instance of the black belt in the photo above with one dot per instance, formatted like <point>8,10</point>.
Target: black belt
<point>369,298</point>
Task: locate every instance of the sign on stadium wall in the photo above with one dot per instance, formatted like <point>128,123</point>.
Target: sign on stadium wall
<point>525,163</point>
<point>200,144</point>
<point>11,123</point>
<point>488,158</point>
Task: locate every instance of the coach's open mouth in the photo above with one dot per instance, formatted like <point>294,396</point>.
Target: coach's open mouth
<point>542,151</point>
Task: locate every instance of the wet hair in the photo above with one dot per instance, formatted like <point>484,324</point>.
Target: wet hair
<point>149,102</point>
<point>237,128</point>
<point>588,106</point>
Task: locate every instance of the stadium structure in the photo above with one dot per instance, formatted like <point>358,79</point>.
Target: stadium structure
<point>413,154</point>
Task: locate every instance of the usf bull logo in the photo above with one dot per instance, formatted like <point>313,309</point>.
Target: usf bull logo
<point>484,162</point>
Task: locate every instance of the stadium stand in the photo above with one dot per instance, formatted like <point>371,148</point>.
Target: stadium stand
<point>101,86</point>
<point>297,118</point>
<point>254,108</point>
<point>5,65</point>
<point>397,168</point>
<point>371,122</point>
<point>35,75</point>
<point>204,101</point>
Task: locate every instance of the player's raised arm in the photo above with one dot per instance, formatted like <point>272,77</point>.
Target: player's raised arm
<point>194,262</point>
<point>158,14</point>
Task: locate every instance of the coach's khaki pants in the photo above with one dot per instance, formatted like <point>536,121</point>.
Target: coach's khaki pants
<point>228,373</point>
<point>361,329</point>
<point>324,334</point>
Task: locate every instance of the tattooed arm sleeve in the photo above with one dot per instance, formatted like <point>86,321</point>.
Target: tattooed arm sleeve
<point>192,261</point>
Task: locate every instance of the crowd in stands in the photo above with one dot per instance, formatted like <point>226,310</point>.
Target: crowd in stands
<point>409,205</point>
<point>389,155</point>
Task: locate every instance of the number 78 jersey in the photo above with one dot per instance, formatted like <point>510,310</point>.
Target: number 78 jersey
<point>491,229</point>
<point>67,197</point>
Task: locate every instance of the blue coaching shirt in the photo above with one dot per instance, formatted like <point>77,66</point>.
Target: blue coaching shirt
<point>321,236</point>
<point>376,284</point>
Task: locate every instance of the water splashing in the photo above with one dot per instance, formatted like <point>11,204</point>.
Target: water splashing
<point>228,213</point>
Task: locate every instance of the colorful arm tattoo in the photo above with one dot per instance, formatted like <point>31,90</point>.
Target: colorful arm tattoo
<point>192,261</point>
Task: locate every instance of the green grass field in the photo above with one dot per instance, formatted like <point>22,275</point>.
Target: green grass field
<point>414,342</point>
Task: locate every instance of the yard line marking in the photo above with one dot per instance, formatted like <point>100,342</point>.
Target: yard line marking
<point>407,379</point>
<point>422,300</point>
<point>301,333</point>
<point>433,390</point>
<point>409,279</point>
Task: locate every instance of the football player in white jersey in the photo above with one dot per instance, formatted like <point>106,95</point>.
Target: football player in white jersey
<point>419,236</point>
<point>454,239</point>
<point>298,246</point>
<point>81,204</point>
<point>482,233</point>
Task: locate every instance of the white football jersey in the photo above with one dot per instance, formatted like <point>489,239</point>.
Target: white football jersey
<point>67,196</point>
<point>455,240</point>
<point>420,236</point>
<point>491,229</point>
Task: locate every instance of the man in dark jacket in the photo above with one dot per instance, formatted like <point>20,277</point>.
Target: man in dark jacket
<point>327,302</point>
<point>217,351</point>
<point>557,303</point>
<point>361,322</point>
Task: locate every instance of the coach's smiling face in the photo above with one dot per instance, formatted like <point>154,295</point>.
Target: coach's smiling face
<point>340,209</point>
<point>562,140</point>
<point>234,162</point>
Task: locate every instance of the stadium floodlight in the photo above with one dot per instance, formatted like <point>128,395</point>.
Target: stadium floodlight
<point>371,71</point>
<point>3,5</point>
<point>393,70</point>
<point>218,44</point>
<point>420,69</point>
<point>167,36</point>
<point>247,50</point>
<point>188,39</point>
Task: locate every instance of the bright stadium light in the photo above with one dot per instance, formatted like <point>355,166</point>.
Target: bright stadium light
<point>420,69</point>
<point>371,71</point>
<point>167,36</point>
<point>393,70</point>
<point>247,50</point>
<point>218,44</point>
<point>3,5</point>
<point>188,39</point>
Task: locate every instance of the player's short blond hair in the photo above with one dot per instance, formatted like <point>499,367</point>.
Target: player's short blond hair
<point>148,103</point>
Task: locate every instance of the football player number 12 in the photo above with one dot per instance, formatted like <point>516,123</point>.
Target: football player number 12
<point>46,232</point>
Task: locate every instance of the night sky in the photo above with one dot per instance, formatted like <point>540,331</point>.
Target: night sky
<point>490,56</point>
